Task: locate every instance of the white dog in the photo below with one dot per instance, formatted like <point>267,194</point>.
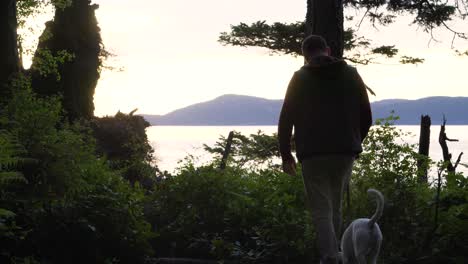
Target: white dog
<point>362,239</point>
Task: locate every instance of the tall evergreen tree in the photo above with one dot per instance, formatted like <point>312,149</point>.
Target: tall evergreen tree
<point>325,17</point>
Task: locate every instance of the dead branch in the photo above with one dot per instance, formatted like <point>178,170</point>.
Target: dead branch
<point>447,156</point>
<point>458,161</point>
<point>227,150</point>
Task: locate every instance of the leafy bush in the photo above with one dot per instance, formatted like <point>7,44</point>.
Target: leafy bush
<point>60,202</point>
<point>104,222</point>
<point>231,214</point>
<point>122,140</point>
<point>448,242</point>
<point>71,207</point>
<point>250,213</point>
<point>390,165</point>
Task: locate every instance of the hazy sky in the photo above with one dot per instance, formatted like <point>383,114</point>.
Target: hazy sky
<point>171,57</point>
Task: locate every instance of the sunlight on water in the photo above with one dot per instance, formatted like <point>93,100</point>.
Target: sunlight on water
<point>173,143</point>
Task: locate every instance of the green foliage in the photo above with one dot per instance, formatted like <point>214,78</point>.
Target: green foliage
<point>256,151</point>
<point>9,159</point>
<point>246,213</point>
<point>68,58</point>
<point>278,37</point>
<point>389,51</point>
<point>104,221</point>
<point>449,238</point>
<point>10,152</point>
<point>64,200</point>
<point>30,8</point>
<point>58,148</point>
<point>61,201</point>
<point>410,60</point>
<point>47,63</point>
<point>123,141</point>
<point>390,165</point>
<point>231,215</point>
<point>286,38</point>
<point>426,13</point>
<point>71,206</point>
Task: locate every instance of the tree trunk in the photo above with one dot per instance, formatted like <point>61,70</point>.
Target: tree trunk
<point>451,168</point>
<point>75,30</point>
<point>9,60</point>
<point>325,18</point>
<point>227,150</point>
<point>424,142</point>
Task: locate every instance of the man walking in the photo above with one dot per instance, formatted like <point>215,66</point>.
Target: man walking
<point>327,104</point>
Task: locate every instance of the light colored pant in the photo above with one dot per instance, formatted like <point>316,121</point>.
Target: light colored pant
<point>325,178</point>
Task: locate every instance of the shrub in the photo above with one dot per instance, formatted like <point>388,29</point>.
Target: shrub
<point>254,214</point>
<point>231,214</point>
<point>70,207</point>
<point>122,140</point>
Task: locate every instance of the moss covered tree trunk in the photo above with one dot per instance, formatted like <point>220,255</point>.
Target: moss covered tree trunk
<point>325,18</point>
<point>9,60</point>
<point>75,31</point>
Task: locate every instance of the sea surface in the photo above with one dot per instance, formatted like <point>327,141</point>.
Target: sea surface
<point>173,143</point>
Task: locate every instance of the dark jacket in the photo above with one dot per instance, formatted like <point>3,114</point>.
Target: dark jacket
<point>328,106</point>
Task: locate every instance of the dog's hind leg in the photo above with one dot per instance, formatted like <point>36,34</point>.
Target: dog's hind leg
<point>375,253</point>
<point>361,259</point>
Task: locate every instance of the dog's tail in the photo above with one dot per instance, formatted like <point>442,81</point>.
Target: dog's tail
<point>380,204</point>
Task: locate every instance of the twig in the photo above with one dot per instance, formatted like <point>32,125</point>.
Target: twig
<point>362,19</point>
<point>445,151</point>
<point>432,38</point>
<point>453,40</point>
<point>458,161</point>
<point>451,140</point>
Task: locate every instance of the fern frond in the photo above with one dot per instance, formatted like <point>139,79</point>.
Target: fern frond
<point>11,177</point>
<point>6,213</point>
<point>10,151</point>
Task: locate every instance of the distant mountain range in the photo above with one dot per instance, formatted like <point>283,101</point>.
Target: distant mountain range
<point>240,110</point>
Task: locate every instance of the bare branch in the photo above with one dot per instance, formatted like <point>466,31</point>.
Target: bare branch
<point>362,19</point>
<point>462,35</point>
<point>458,161</point>
<point>445,151</point>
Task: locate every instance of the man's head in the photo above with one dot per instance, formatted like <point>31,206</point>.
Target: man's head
<point>314,45</point>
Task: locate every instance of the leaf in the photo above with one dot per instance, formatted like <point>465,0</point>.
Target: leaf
<point>389,51</point>
<point>11,176</point>
<point>410,60</point>
<point>6,213</point>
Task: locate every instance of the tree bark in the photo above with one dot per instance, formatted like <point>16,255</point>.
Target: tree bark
<point>9,60</point>
<point>75,30</point>
<point>227,150</point>
<point>325,18</point>
<point>451,168</point>
<point>424,143</point>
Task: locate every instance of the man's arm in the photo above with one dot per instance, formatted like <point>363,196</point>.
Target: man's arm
<point>286,123</point>
<point>365,108</point>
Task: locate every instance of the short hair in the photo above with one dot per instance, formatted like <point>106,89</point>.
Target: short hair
<point>313,44</point>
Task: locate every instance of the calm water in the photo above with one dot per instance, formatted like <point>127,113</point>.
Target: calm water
<point>173,143</point>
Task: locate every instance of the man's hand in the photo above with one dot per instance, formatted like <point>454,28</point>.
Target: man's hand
<point>289,166</point>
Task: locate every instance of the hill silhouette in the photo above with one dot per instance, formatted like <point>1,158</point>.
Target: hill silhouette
<point>241,110</point>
